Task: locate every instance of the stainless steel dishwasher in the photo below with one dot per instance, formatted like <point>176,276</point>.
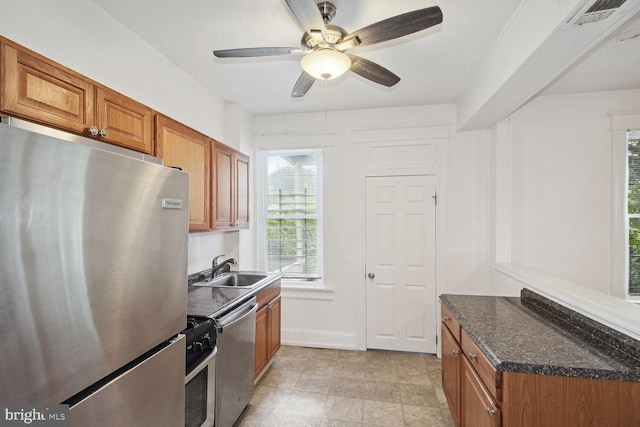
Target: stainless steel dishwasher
<point>235,362</point>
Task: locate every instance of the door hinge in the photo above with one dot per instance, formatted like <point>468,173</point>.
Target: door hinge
<point>436,340</point>
<point>435,199</point>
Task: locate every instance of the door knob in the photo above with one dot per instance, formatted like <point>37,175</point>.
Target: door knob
<point>371,276</point>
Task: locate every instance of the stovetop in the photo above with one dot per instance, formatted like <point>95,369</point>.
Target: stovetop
<point>201,339</point>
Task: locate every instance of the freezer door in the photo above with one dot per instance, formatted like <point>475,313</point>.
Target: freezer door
<point>149,394</point>
<point>93,255</point>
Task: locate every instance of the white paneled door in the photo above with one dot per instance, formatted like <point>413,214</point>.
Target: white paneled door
<point>400,263</point>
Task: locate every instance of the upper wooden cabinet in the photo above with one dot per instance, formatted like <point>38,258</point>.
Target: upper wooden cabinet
<point>222,208</point>
<point>241,204</point>
<point>34,88</point>
<point>230,207</point>
<point>183,147</point>
<point>125,121</point>
<point>38,89</point>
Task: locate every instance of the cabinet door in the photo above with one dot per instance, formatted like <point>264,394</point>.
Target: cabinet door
<point>126,122</point>
<point>478,407</point>
<point>40,90</point>
<point>222,186</point>
<point>185,148</point>
<point>451,366</point>
<point>274,326</point>
<point>262,346</point>
<point>241,190</point>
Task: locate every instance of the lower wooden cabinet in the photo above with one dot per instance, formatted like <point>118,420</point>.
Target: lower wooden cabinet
<point>478,395</point>
<point>451,368</point>
<point>267,327</point>
<point>479,409</point>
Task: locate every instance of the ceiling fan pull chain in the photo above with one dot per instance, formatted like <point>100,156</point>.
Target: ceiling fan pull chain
<point>326,101</point>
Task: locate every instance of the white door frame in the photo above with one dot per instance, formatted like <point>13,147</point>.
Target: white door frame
<point>426,154</point>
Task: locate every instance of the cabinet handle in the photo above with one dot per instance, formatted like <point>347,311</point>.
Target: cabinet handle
<point>93,130</point>
<point>446,318</point>
<point>491,411</point>
<point>472,356</point>
<point>456,352</point>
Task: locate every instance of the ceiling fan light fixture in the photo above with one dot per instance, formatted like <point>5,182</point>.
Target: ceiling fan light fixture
<point>326,64</point>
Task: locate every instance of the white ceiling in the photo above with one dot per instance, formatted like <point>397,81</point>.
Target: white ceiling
<point>435,65</point>
<point>613,65</point>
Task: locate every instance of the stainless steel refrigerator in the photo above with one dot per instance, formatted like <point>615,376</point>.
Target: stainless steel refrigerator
<point>93,266</point>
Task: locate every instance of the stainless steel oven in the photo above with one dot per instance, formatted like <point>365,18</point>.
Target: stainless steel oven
<point>200,380</point>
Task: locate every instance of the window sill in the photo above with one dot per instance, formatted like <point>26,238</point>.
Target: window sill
<point>300,290</point>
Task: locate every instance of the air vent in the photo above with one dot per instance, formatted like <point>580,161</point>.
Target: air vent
<point>598,11</point>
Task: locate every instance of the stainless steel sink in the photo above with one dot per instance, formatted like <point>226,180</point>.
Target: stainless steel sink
<point>235,279</point>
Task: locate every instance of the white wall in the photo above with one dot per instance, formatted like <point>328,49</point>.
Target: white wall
<point>561,185</point>
<point>469,215</point>
<point>335,317</point>
<point>83,37</point>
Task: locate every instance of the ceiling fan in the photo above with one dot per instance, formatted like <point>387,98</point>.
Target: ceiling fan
<point>323,46</point>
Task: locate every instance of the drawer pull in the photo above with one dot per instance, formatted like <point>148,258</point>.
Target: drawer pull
<point>491,411</point>
<point>472,356</point>
<point>446,318</point>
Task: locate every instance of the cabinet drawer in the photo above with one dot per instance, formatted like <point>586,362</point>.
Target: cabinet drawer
<point>451,322</point>
<point>483,367</point>
<point>267,294</point>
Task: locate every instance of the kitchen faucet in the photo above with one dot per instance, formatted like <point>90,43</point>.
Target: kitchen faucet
<point>224,266</point>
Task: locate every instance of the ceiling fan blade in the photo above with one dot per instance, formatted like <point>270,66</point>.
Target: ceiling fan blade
<point>372,71</point>
<point>302,86</point>
<point>392,28</point>
<point>308,14</point>
<point>256,51</point>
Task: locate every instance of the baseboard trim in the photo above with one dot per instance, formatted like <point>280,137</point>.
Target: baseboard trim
<point>319,339</point>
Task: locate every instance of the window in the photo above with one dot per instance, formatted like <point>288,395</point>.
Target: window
<point>290,213</point>
<point>633,213</point>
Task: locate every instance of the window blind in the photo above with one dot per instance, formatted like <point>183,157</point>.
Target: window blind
<point>290,213</point>
<point>633,211</point>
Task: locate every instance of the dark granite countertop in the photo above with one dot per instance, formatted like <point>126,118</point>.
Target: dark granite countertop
<point>212,302</point>
<point>526,335</point>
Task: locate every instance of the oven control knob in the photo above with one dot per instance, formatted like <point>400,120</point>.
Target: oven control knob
<point>197,346</point>
<point>207,342</point>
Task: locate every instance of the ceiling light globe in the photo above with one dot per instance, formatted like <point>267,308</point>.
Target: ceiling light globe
<point>325,64</point>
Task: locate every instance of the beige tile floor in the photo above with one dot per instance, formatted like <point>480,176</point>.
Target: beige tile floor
<point>309,387</point>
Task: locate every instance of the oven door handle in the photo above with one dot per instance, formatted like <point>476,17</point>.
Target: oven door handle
<point>237,315</point>
<point>201,365</point>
